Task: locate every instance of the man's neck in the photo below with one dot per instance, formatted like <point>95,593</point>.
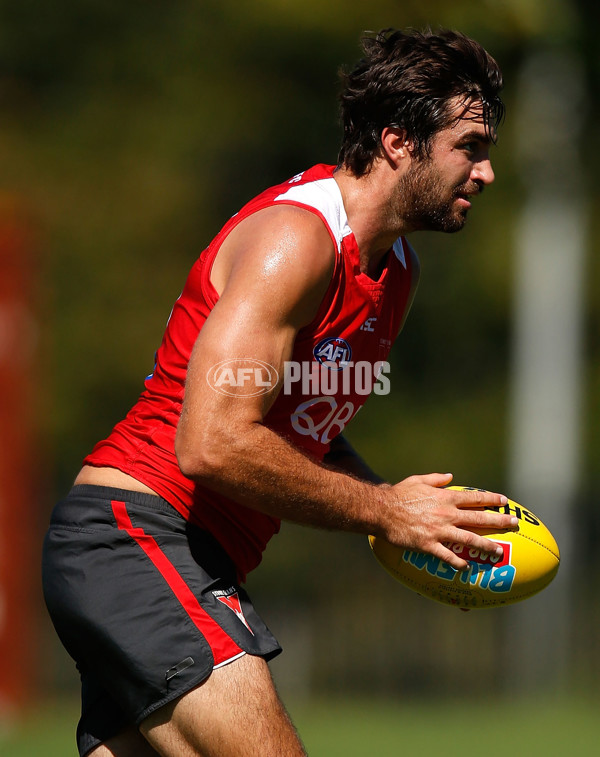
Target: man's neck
<point>366,201</point>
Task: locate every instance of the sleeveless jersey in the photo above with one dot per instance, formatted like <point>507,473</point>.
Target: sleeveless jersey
<point>337,360</point>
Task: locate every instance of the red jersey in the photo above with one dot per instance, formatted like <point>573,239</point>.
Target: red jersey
<point>336,361</point>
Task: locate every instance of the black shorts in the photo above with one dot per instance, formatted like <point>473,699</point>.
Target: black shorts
<point>146,604</point>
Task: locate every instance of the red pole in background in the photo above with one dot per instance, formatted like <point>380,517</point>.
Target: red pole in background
<point>19,561</point>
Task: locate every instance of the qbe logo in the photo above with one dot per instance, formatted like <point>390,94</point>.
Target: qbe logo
<point>334,353</point>
<point>242,377</point>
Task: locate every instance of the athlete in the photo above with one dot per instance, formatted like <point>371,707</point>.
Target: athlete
<point>284,317</point>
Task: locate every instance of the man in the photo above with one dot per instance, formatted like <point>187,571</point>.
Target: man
<point>144,559</point>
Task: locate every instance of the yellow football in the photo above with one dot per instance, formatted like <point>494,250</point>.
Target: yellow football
<point>529,563</point>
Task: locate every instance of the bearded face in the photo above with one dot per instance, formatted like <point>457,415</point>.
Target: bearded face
<point>434,192</point>
<point>432,201</point>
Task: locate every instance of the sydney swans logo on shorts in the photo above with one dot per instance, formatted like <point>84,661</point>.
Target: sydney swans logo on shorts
<point>242,377</point>
<point>334,353</point>
<point>230,598</point>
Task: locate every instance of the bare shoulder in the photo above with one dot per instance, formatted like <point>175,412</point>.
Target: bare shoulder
<point>281,241</point>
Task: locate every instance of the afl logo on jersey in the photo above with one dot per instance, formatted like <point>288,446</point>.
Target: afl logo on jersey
<point>334,353</point>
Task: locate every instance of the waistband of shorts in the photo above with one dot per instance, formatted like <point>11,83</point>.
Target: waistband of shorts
<point>109,493</point>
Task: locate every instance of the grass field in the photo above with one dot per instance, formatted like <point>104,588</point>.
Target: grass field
<point>567,728</point>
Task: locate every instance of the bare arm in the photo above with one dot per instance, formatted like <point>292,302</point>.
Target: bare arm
<point>271,274</point>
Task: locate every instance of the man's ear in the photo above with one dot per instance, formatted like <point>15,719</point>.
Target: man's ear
<point>395,145</point>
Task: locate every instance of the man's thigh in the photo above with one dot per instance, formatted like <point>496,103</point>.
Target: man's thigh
<point>236,712</point>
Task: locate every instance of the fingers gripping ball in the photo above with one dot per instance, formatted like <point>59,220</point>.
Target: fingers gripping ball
<point>529,563</point>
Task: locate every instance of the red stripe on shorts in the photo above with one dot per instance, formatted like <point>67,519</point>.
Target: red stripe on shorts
<point>223,647</point>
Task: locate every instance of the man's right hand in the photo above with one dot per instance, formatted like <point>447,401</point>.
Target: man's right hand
<point>422,515</point>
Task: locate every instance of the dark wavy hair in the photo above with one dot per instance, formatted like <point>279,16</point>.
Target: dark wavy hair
<point>410,79</point>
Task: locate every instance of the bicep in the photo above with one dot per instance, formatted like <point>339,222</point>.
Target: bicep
<point>278,270</point>
<point>238,347</point>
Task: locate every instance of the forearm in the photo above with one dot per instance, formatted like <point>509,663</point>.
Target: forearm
<point>263,471</point>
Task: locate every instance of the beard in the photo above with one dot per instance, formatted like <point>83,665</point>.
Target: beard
<point>428,204</point>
